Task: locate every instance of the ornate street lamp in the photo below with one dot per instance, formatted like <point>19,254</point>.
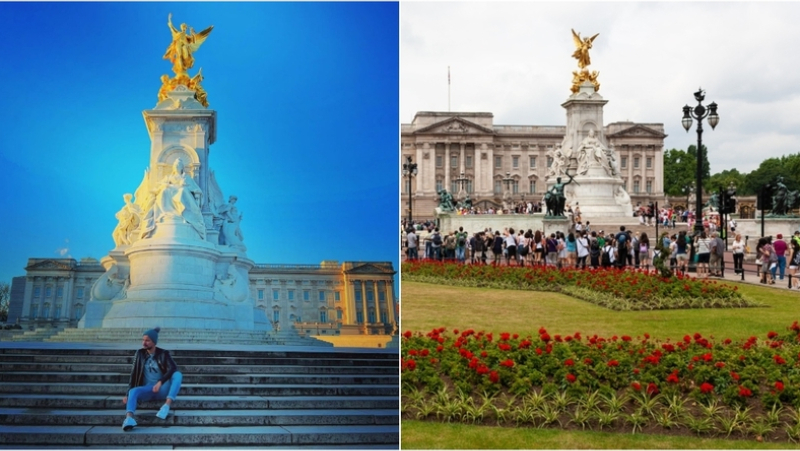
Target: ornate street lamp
<point>699,113</point>
<point>462,180</point>
<point>409,170</point>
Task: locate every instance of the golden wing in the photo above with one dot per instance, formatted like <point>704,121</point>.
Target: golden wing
<point>592,38</point>
<point>576,37</point>
<point>197,39</point>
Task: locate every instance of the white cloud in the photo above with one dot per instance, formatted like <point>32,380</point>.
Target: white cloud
<point>514,60</point>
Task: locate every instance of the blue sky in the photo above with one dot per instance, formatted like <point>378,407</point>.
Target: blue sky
<point>306,96</point>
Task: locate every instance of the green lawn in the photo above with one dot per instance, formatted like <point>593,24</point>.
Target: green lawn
<point>432,435</point>
<point>427,306</point>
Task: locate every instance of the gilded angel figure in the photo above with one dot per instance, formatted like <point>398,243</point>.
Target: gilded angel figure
<point>183,45</point>
<point>582,49</point>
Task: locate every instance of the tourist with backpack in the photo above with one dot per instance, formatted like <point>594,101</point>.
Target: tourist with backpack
<point>436,244</point>
<point>461,245</point>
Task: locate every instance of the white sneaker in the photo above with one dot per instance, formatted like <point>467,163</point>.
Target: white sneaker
<point>163,412</point>
<point>128,424</point>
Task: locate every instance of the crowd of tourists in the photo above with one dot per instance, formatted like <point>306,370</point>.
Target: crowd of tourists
<point>582,247</point>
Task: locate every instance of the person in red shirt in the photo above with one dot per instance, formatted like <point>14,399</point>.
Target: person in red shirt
<point>780,249</point>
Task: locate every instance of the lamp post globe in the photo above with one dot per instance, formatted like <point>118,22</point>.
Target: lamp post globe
<point>409,171</point>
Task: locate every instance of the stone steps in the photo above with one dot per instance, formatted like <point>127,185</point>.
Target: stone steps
<point>287,397</point>
<point>189,379</point>
<point>286,337</point>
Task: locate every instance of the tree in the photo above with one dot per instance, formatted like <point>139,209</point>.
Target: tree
<point>706,169</point>
<point>5,299</point>
<point>679,170</point>
<point>721,180</point>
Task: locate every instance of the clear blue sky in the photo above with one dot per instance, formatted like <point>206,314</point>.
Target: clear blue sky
<point>306,96</point>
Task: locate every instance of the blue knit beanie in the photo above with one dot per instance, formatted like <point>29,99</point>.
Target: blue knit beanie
<point>153,334</point>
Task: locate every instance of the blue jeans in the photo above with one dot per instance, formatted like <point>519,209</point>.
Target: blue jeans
<point>460,254</point>
<point>412,253</point>
<point>168,389</point>
<point>437,252</point>
<point>780,266</point>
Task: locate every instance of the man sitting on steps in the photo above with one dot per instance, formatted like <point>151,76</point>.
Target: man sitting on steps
<point>154,376</point>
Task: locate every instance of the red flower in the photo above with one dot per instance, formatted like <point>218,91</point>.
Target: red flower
<point>734,376</point>
<point>508,362</point>
<point>636,371</point>
<point>424,353</point>
<point>410,364</point>
<point>772,335</point>
<point>687,339</point>
<point>408,334</point>
<point>515,336</point>
<point>613,363</point>
<point>525,344</point>
<point>636,386</point>
<point>439,348</point>
<point>412,352</point>
<point>745,392</point>
<point>673,378</point>
<point>545,337</point>
<point>727,341</point>
<point>569,362</point>
<point>706,387</point>
<point>494,377</point>
<point>778,359</point>
<point>570,378</point>
<point>707,357</point>
<point>652,389</point>
<point>626,338</point>
<point>720,364</point>
<point>482,369</point>
<point>542,331</point>
<point>779,384</point>
<point>484,354</point>
<point>587,361</point>
<point>539,351</point>
<point>504,346</point>
<point>505,336</point>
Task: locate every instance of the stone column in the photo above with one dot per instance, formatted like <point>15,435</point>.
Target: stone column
<point>66,307</point>
<point>377,301</point>
<point>390,301</point>
<point>24,315</point>
<point>461,157</point>
<point>364,312</point>
<point>447,166</point>
<point>488,176</point>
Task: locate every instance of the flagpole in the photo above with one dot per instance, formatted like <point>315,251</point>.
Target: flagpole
<point>448,89</point>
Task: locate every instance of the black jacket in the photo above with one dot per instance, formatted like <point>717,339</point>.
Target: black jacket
<point>164,361</point>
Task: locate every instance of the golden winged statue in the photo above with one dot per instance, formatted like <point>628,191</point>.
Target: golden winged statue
<point>582,49</point>
<point>182,46</point>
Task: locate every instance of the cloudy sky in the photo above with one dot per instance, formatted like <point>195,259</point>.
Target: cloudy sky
<point>306,98</point>
<point>514,60</point>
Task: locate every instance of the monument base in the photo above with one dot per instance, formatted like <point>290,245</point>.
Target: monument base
<point>450,222</point>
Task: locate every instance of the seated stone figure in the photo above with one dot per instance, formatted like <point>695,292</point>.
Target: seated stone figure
<point>176,196</point>
<point>231,233</point>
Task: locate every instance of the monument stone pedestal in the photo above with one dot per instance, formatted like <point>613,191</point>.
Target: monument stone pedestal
<point>179,260</point>
<point>584,154</point>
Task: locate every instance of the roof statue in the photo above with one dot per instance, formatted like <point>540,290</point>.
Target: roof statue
<point>581,53</point>
<point>180,53</point>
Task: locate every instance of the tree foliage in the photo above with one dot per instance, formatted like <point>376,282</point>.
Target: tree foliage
<point>680,169</point>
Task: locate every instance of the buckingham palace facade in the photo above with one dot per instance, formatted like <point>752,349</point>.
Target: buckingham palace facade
<point>455,150</point>
<point>332,298</point>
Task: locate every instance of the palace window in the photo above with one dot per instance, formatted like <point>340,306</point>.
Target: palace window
<point>649,162</point>
<point>371,317</point>
<point>60,292</point>
<point>454,186</point>
<point>306,295</point>
<point>469,186</point>
<point>439,185</point>
<point>533,162</point>
<point>58,311</point>
<point>453,161</point>
<point>339,314</point>
<point>321,295</point>
<point>468,161</point>
<point>260,295</point>
<point>291,295</point>
<point>276,294</point>
<point>80,293</point>
<point>323,316</point>
<point>381,295</point>
<point>532,189</point>
<point>48,292</point>
<point>636,186</point>
<point>635,162</point>
<point>336,296</point>
<point>498,187</point>
<point>515,186</point>
<point>37,292</point>
<point>649,186</point>
<point>384,318</point>
<point>358,295</point>
<point>515,162</point>
<point>78,311</point>
<point>370,295</point>
<point>549,161</point>
<point>498,162</point>
<point>276,315</point>
<point>359,317</point>
<point>439,162</point>
<point>46,311</point>
<point>623,162</point>
<point>34,310</point>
